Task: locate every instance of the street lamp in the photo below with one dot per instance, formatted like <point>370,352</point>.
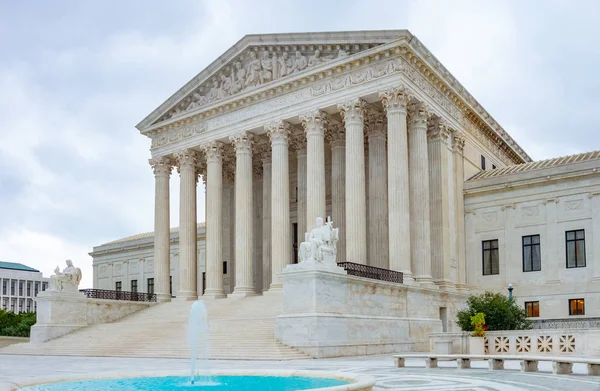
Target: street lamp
<point>510,289</point>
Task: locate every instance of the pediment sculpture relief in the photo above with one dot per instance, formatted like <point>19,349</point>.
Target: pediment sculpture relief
<point>255,68</point>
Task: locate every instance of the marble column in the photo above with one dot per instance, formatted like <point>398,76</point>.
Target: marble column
<point>257,212</point>
<point>266,226</point>
<point>338,186</point>
<point>187,162</point>
<point>439,153</point>
<point>458,146</point>
<point>162,167</point>
<point>300,147</point>
<point>214,220</point>
<point>280,201</point>
<point>353,113</point>
<point>377,190</point>
<point>395,103</point>
<point>314,124</point>
<point>419,193</point>
<point>244,228</point>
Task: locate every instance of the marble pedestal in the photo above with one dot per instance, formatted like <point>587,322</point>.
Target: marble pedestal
<point>58,313</point>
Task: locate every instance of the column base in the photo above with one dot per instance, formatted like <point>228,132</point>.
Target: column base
<point>242,292</point>
<point>445,285</point>
<point>188,296</point>
<point>408,278</point>
<point>214,294</point>
<point>426,282</point>
<point>163,298</point>
<point>276,287</point>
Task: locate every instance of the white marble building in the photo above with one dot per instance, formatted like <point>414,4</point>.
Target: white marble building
<point>370,129</point>
<point>19,285</point>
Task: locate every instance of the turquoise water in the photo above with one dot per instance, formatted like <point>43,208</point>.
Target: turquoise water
<point>218,383</point>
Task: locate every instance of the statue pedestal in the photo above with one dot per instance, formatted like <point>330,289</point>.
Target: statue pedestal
<point>58,313</point>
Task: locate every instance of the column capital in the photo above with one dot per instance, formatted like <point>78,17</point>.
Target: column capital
<point>314,122</point>
<point>336,135</point>
<point>437,129</point>
<point>376,124</point>
<point>458,142</point>
<point>161,165</point>
<point>395,99</point>
<point>187,159</point>
<point>418,115</point>
<point>213,151</point>
<point>279,132</point>
<point>242,143</point>
<point>353,110</point>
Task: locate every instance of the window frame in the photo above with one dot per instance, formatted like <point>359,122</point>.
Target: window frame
<point>490,250</point>
<point>529,247</point>
<point>567,241</point>
<point>582,307</point>
<point>483,162</point>
<point>533,305</point>
<point>150,283</point>
<point>119,286</point>
<point>134,286</point>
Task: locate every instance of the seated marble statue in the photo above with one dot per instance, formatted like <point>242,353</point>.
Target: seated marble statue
<point>320,243</point>
<point>67,280</point>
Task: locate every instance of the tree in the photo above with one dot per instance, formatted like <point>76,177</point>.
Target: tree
<point>16,325</point>
<point>501,313</point>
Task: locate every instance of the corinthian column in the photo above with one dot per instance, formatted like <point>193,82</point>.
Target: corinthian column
<point>314,125</point>
<point>419,193</point>
<point>438,137</point>
<point>353,113</point>
<point>244,285</point>
<point>458,146</point>
<point>338,186</point>
<point>266,226</point>
<point>299,144</point>
<point>187,162</point>
<point>214,220</point>
<point>395,102</point>
<point>280,201</point>
<point>378,201</point>
<point>162,167</point>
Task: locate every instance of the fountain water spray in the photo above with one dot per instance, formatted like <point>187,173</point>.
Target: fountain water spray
<point>198,337</point>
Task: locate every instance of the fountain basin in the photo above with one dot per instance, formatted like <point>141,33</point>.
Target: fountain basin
<point>274,380</point>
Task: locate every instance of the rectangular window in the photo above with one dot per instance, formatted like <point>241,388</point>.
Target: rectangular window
<point>20,288</point>
<point>13,287</point>
<point>118,286</point>
<point>491,263</point>
<point>224,267</point>
<point>4,287</point>
<point>44,286</point>
<point>29,303</point>
<point>532,258</point>
<point>134,286</point>
<point>532,308</point>
<point>575,248</point>
<point>28,289</point>
<point>482,162</point>
<point>36,287</point>
<point>151,285</point>
<point>21,305</point>
<point>576,307</point>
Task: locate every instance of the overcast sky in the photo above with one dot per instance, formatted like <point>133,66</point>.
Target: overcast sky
<point>76,76</point>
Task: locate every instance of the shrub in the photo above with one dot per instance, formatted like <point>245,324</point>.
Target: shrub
<point>501,313</point>
<point>478,323</point>
<point>16,325</point>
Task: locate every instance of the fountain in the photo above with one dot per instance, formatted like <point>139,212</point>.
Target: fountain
<point>198,338</point>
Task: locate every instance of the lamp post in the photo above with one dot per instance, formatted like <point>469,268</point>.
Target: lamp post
<point>510,289</point>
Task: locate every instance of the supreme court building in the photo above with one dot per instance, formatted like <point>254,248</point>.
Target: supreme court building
<point>369,128</point>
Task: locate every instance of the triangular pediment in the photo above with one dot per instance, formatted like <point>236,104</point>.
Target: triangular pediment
<point>259,60</point>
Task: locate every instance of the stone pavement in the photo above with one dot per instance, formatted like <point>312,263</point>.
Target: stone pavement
<point>389,378</point>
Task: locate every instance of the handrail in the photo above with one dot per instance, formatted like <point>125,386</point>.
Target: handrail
<point>118,295</point>
<point>375,273</point>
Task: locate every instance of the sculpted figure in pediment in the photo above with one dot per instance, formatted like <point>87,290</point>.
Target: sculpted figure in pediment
<point>266,75</point>
<point>342,53</point>
<point>239,82</point>
<point>253,76</point>
<point>284,64</point>
<point>197,100</point>
<point>213,94</point>
<point>300,63</point>
<point>315,59</point>
<point>225,87</point>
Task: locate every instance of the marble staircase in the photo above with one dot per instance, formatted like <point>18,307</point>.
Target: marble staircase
<point>240,328</point>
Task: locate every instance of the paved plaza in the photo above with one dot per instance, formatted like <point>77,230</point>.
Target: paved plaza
<point>414,377</point>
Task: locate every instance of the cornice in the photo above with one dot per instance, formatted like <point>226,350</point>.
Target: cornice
<point>420,67</point>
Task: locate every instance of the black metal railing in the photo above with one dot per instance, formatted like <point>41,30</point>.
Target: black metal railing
<point>118,295</point>
<point>375,273</point>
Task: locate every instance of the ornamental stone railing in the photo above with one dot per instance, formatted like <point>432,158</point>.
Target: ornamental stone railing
<point>577,323</point>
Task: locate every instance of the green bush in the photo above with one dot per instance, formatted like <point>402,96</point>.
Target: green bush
<point>501,313</point>
<point>16,325</point>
